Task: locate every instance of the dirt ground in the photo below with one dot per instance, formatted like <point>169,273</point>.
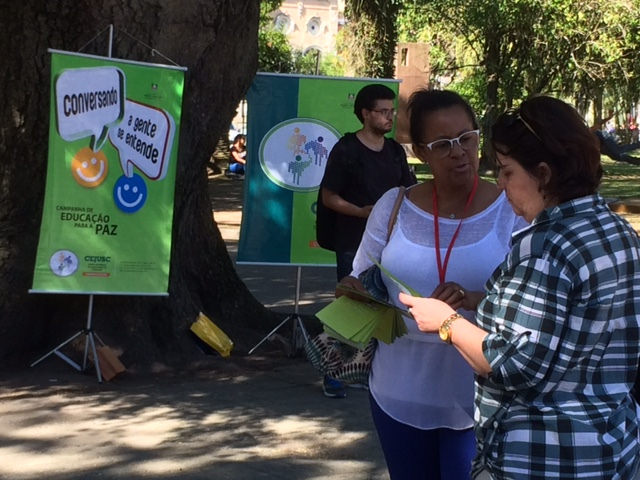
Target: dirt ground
<point>261,416</point>
<point>256,417</point>
<point>247,418</point>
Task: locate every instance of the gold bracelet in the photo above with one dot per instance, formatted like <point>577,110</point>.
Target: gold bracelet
<point>445,327</point>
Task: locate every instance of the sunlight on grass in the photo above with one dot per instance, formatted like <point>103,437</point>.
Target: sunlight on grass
<point>620,179</point>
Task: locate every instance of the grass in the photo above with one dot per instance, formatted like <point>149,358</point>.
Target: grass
<point>620,180</point>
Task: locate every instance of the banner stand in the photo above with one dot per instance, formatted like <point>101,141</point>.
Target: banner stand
<point>156,120</point>
<point>89,341</point>
<point>297,322</point>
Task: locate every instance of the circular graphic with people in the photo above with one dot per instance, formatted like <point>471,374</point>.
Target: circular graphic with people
<point>294,153</point>
<point>63,263</point>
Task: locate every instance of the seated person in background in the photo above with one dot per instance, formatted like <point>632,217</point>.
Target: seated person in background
<point>609,145</point>
<point>238,155</point>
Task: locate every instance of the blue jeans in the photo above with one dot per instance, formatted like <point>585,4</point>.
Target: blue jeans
<point>412,453</point>
<point>237,168</point>
<point>611,148</point>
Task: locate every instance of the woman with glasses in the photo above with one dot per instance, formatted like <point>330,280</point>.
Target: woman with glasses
<point>556,339</point>
<point>450,233</point>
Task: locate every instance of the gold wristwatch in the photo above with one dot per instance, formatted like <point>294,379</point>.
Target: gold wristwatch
<point>445,328</point>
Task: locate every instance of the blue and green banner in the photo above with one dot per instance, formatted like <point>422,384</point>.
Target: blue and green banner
<point>293,123</point>
<point>113,147</point>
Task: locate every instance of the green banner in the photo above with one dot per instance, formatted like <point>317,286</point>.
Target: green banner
<point>293,123</point>
<point>113,147</point>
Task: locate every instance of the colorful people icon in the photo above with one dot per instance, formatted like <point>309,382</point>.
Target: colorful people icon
<point>296,141</point>
<point>297,167</point>
<point>319,150</point>
<point>63,263</point>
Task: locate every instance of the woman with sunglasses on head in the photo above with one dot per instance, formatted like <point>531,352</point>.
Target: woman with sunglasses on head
<point>556,339</point>
<point>449,235</point>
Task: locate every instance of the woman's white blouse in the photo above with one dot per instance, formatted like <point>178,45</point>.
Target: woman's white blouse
<point>419,380</point>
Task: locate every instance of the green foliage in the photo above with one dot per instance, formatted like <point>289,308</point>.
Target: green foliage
<point>587,50</point>
<point>274,52</point>
<point>370,37</point>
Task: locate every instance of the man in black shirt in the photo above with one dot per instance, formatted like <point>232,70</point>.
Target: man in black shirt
<point>361,167</point>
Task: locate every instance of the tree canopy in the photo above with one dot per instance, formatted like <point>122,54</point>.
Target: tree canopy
<point>499,52</point>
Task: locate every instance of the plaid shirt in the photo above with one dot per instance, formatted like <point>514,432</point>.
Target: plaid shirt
<point>563,316</point>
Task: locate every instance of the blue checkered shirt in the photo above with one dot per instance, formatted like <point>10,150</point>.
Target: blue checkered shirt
<point>563,316</point>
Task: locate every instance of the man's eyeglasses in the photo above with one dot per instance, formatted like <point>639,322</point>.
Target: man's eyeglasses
<point>385,112</point>
<point>467,141</point>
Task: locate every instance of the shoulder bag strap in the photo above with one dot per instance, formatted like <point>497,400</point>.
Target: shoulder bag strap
<point>394,211</point>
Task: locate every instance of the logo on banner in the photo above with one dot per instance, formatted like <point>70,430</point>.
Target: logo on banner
<point>63,263</point>
<point>294,153</point>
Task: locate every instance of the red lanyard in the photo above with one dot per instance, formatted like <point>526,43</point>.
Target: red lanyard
<point>442,269</point>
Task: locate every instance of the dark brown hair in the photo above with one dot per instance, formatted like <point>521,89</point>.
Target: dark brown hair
<point>367,97</point>
<point>545,129</point>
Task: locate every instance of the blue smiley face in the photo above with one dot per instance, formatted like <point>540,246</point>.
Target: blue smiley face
<point>130,193</point>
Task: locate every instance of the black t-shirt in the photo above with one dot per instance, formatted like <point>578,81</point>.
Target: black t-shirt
<point>361,176</point>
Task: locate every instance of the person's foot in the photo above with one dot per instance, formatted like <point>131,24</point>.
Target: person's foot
<point>362,386</point>
<point>333,388</point>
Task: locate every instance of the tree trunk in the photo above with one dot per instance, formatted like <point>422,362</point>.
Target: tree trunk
<point>492,63</point>
<point>217,41</point>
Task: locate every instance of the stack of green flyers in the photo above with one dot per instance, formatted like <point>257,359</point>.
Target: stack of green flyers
<point>357,318</point>
<point>355,322</point>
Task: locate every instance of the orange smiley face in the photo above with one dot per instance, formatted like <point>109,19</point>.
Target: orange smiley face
<point>89,168</point>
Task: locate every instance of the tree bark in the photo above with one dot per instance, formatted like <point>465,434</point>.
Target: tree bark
<point>217,41</point>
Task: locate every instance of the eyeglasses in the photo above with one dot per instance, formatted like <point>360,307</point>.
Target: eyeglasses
<point>529,127</point>
<point>516,115</point>
<point>442,147</point>
<point>386,112</point>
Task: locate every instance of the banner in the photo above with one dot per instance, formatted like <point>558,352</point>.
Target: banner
<point>108,207</point>
<point>293,123</point>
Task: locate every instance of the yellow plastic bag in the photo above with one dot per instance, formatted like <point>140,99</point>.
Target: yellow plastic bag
<point>211,334</point>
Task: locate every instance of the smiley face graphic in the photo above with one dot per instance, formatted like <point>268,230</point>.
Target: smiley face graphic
<point>89,168</point>
<point>130,193</point>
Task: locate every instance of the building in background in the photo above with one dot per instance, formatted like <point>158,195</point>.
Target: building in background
<point>311,24</point>
<point>412,68</point>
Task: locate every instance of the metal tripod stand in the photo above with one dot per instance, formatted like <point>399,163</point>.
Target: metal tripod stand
<point>297,322</point>
<point>89,341</point>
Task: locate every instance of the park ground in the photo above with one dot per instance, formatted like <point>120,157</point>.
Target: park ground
<point>247,417</point>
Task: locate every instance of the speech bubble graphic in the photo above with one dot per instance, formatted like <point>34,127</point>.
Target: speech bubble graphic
<point>88,102</point>
<point>144,140</point>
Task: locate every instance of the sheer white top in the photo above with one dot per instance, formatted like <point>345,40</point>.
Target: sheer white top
<point>418,379</point>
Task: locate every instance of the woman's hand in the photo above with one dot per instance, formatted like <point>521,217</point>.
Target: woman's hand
<point>352,283</point>
<point>457,296</point>
<point>467,338</point>
<point>429,313</point>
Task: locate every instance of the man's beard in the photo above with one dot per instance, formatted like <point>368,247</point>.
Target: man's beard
<point>382,130</point>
